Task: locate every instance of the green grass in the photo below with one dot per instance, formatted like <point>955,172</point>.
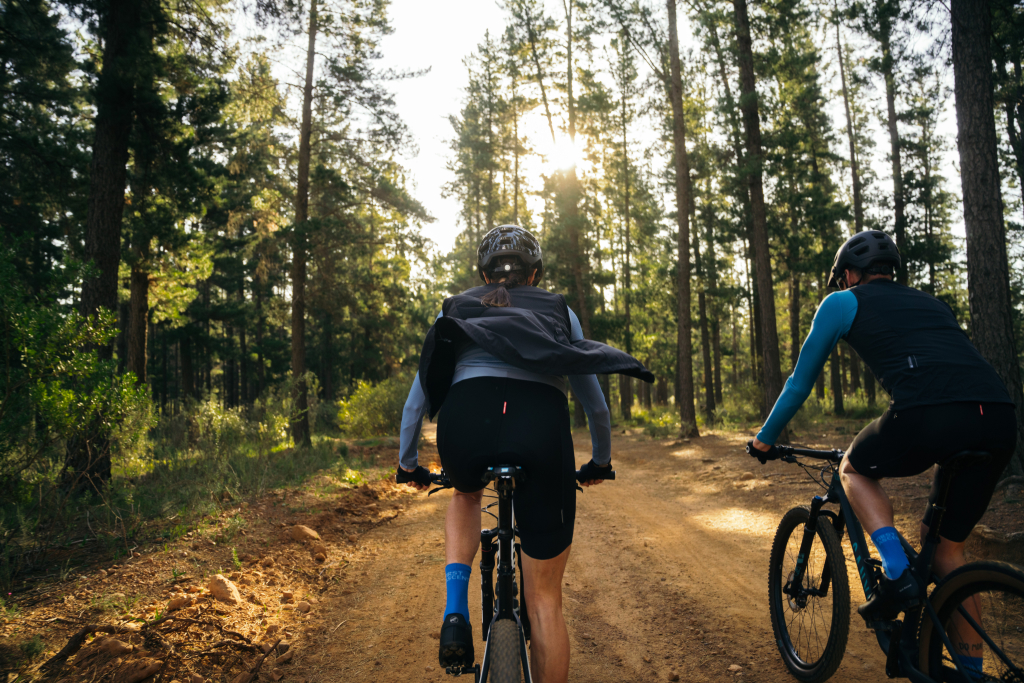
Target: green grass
<point>195,466</point>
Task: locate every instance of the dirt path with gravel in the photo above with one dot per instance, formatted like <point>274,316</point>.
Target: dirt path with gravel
<point>667,576</point>
<point>667,579</point>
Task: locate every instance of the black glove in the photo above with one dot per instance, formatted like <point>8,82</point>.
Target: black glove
<point>420,475</point>
<point>592,471</point>
<point>764,456</point>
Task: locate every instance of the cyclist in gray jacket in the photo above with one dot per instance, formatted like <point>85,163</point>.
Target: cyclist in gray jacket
<point>496,359</point>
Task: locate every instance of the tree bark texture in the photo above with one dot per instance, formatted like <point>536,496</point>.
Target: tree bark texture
<point>987,267</point>
<point>115,106</point>
<point>836,381</point>
<point>188,379</point>
<point>759,239</point>
<point>898,200</point>
<point>705,336</point>
<point>684,346</point>
<point>138,322</point>
<point>300,424</point>
<point>858,203</point>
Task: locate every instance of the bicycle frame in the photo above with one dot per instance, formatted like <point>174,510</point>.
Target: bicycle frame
<point>899,643</point>
<point>499,598</point>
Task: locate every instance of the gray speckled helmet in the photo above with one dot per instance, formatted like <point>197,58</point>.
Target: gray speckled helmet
<point>510,240</point>
<point>868,248</point>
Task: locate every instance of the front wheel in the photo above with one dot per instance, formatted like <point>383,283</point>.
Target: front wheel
<point>980,607</point>
<point>504,652</point>
<point>811,620</point>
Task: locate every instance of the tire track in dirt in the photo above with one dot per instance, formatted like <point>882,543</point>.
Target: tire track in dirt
<point>667,576</point>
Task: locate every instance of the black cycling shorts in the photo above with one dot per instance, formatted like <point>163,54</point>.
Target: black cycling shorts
<point>488,421</point>
<point>903,443</point>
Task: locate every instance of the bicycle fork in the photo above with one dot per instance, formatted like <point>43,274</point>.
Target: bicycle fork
<point>793,588</point>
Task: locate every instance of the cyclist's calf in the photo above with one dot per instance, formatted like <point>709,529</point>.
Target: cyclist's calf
<point>869,501</point>
<point>462,527</point>
<point>949,555</point>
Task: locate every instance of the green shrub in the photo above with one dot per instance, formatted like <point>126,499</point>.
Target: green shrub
<point>375,410</point>
<point>660,422</point>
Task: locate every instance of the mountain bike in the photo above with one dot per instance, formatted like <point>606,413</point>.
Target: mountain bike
<point>506,622</point>
<point>978,607</point>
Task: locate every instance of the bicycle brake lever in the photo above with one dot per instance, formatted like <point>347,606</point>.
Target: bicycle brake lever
<point>439,488</point>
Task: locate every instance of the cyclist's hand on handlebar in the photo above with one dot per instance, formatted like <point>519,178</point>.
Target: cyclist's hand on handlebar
<point>418,478</point>
<point>593,474</point>
<point>762,451</point>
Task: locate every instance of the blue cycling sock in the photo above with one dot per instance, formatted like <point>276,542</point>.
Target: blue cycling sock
<point>894,560</point>
<point>973,665</point>
<point>457,585</point>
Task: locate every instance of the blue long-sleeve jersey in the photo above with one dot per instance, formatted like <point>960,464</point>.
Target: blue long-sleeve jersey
<point>475,362</point>
<point>832,322</point>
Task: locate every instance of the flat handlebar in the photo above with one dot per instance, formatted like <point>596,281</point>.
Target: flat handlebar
<point>834,455</point>
<point>441,479</point>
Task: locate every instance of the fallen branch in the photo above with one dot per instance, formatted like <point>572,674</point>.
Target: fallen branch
<point>75,644</point>
<point>255,671</point>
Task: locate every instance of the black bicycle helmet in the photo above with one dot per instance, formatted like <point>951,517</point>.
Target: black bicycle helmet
<point>865,249</point>
<point>510,240</point>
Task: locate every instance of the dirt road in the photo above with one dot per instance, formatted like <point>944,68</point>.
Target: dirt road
<point>668,575</point>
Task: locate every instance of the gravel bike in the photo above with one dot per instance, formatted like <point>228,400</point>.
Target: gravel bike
<point>978,607</point>
<point>506,622</point>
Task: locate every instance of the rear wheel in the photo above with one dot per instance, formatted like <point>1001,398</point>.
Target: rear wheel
<point>504,653</point>
<point>811,621</point>
<point>991,595</point>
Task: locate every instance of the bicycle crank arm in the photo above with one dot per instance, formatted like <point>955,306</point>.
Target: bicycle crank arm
<point>460,670</point>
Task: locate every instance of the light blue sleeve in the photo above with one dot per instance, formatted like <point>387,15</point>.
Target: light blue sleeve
<point>831,323</point>
<point>587,389</point>
<point>416,407</point>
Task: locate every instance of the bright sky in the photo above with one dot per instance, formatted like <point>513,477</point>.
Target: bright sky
<point>428,36</point>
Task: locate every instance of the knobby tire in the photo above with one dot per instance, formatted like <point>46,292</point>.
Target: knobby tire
<point>811,638</point>
<point>997,588</point>
<point>505,666</point>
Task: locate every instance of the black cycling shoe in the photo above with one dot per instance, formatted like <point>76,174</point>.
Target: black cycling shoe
<point>456,642</point>
<point>892,597</point>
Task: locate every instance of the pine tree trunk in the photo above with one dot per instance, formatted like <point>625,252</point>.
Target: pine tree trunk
<point>705,337</point>
<point>626,386</point>
<point>188,379</point>
<point>87,456</point>
<point>987,266</point>
<point>858,203</point>
<point>115,104</point>
<point>836,386</point>
<point>300,423</point>
<point>794,319</point>
<point>138,323</point>
<point>684,347</point>
<point>895,147</point>
<point>163,376</point>
<point>261,370</point>
<point>751,122</point>
<point>711,268</point>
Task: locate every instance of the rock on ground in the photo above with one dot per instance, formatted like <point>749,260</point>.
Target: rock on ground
<point>303,533</point>
<point>222,589</point>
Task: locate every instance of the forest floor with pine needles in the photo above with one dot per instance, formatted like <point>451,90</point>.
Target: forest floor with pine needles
<point>343,582</point>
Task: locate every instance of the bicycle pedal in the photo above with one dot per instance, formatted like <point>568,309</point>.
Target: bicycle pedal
<point>460,670</point>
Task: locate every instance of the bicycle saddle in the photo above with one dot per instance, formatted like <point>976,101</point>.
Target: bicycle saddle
<point>517,473</point>
<point>966,459</point>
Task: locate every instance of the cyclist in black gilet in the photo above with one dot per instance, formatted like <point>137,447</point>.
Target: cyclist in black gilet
<point>494,363</point>
<point>945,398</point>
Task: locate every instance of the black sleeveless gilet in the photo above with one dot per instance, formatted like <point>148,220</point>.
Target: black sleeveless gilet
<point>914,346</point>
